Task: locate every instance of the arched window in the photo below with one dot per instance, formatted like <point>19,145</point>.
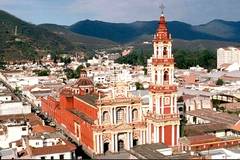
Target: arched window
<point>165,52</point>
<point>105,116</point>
<point>156,77</point>
<point>134,114</point>
<point>166,76</point>
<point>86,90</point>
<point>120,115</point>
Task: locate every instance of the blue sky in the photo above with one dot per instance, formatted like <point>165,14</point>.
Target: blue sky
<point>68,12</point>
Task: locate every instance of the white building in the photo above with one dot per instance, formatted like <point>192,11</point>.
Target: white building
<point>228,55</point>
<point>14,107</point>
<point>48,147</point>
<point>221,153</point>
<point>12,131</point>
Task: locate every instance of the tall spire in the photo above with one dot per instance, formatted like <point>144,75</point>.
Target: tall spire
<point>162,34</point>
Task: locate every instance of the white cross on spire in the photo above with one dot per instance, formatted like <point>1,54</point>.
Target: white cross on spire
<point>162,7</point>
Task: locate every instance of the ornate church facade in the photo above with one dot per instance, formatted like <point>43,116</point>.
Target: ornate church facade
<point>117,121</point>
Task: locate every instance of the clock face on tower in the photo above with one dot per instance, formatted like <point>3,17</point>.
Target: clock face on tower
<point>167,101</point>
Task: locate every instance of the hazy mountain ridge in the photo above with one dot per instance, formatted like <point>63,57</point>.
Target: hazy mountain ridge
<point>33,41</point>
<point>127,32</point>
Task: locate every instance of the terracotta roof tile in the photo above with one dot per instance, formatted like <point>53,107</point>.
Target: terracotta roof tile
<point>41,129</point>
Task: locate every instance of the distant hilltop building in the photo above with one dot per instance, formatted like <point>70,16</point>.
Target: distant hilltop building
<point>228,56</point>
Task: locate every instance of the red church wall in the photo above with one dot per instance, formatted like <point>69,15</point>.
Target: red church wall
<point>49,106</point>
<point>167,110</point>
<point>66,102</point>
<point>168,135</point>
<point>85,108</point>
<point>87,134</point>
<point>66,118</point>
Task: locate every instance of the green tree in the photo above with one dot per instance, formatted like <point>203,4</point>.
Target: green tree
<point>43,73</point>
<point>66,60</point>
<point>219,82</point>
<point>69,73</point>
<point>17,91</point>
<point>139,86</point>
<point>77,71</point>
<point>145,70</point>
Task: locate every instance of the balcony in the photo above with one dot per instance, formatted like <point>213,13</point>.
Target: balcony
<point>124,100</point>
<point>162,89</point>
<point>162,118</point>
<point>162,61</point>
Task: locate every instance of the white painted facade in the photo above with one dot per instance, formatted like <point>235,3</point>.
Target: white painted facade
<point>10,108</point>
<point>66,155</point>
<point>12,133</point>
<point>5,98</point>
<point>228,55</point>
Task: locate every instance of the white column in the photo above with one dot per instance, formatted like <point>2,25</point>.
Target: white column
<point>153,74</point>
<point>128,141</point>
<point>162,77</point>
<point>116,142</point>
<point>113,143</point>
<point>100,116</point>
<point>163,140</point>
<point>173,135</point>
<point>177,134</point>
<point>175,104</point>
<point>98,144</point>
<point>170,76</point>
<point>162,105</point>
<point>170,49</point>
<point>149,134</point>
<point>101,143</point>
<point>158,76</point>
<point>161,50</point>
<point>114,115</point>
<point>150,103</point>
<point>155,51</point>
<point>131,139</point>
<point>127,114</point>
<point>157,105</point>
<point>144,137</point>
<point>171,106</point>
<point>130,110</point>
<point>141,137</point>
<point>157,134</point>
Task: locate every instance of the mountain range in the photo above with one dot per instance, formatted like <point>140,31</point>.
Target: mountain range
<point>22,40</point>
<point>127,32</point>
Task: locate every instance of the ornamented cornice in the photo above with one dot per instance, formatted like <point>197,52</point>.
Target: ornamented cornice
<point>162,89</point>
<point>162,61</point>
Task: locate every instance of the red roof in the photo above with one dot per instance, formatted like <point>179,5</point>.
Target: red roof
<point>162,31</point>
<point>41,129</point>
<point>202,139</point>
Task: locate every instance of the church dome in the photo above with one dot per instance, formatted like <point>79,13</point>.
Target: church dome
<point>84,81</point>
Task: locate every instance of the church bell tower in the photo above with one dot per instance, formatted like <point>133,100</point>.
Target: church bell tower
<point>163,116</point>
